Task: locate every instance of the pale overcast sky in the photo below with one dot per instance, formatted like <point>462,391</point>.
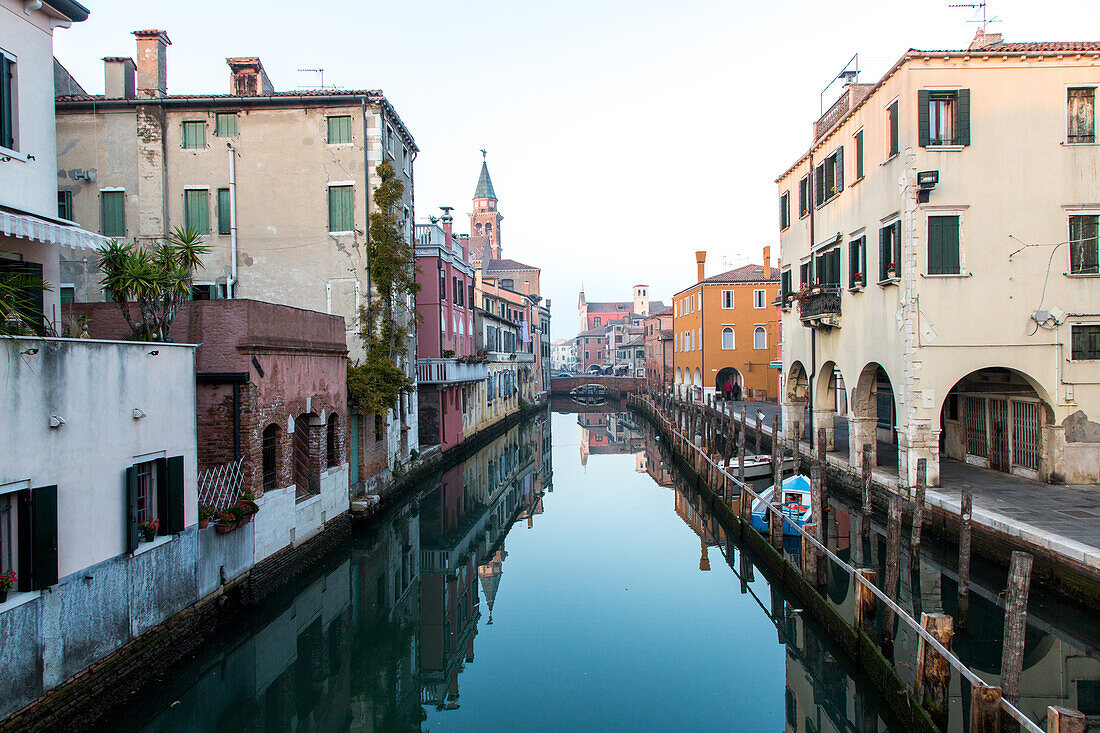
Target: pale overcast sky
<point>622,136</point>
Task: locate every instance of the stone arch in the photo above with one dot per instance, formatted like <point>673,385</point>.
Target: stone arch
<point>697,379</point>
<point>727,374</point>
<point>872,412</point>
<point>828,382</point>
<point>998,417</point>
<point>306,454</point>
<point>679,376</point>
<point>797,383</point>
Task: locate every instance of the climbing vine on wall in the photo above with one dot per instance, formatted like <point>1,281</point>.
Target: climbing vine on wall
<point>377,382</point>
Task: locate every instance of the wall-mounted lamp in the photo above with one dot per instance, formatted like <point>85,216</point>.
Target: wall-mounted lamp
<point>154,352</point>
<point>926,181</point>
<point>29,352</point>
<point>139,413</point>
<point>56,421</point>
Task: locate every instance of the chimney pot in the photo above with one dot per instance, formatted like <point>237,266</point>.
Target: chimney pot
<point>767,263</point>
<point>119,77</point>
<point>983,40</point>
<point>152,63</point>
<point>700,263</point>
<point>247,77</point>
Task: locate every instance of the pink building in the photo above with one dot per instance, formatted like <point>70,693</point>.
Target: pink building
<point>445,337</point>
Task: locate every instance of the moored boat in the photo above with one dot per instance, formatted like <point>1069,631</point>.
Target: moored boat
<point>795,505</point>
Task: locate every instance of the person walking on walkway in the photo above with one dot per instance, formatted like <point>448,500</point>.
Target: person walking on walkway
<point>736,391</point>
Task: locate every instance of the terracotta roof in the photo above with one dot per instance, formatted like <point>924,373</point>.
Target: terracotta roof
<point>611,307</point>
<point>746,274</point>
<point>1033,47</point>
<point>506,264</point>
<point>592,332</point>
<point>666,333</point>
<point>663,312</point>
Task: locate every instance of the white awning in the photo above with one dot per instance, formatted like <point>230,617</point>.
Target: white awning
<point>31,227</point>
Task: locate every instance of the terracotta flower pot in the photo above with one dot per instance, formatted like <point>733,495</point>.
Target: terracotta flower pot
<point>204,523</point>
<point>223,528</point>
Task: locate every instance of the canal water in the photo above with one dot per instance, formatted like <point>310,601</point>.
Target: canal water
<point>563,578</point>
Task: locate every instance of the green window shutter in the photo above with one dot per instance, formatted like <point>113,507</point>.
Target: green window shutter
<point>7,104</point>
<point>173,515</point>
<point>25,571</point>
<point>894,142</point>
<point>935,245</point>
<point>131,526</point>
<point>859,154</point>
<point>194,135</point>
<point>340,217</point>
<point>840,169</point>
<point>923,135</point>
<point>883,252</point>
<point>196,211</point>
<point>112,213</point>
<point>951,245</point>
<point>962,119</point>
<point>896,231</point>
<point>162,495</point>
<point>339,129</point>
<point>225,124</point>
<point>224,217</point>
<point>834,261</point>
<point>44,536</point>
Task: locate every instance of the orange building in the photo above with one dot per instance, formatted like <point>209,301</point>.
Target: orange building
<point>724,331</point>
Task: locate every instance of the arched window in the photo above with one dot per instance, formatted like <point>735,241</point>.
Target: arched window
<point>760,338</point>
<point>269,451</point>
<point>727,338</point>
<point>332,441</point>
<point>303,463</point>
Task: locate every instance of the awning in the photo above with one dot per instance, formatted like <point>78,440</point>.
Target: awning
<point>31,227</point>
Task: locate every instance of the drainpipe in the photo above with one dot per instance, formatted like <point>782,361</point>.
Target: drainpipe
<point>231,291</point>
<point>813,331</point>
<point>366,207</point>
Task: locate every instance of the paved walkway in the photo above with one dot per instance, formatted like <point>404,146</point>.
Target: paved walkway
<point>1062,519</point>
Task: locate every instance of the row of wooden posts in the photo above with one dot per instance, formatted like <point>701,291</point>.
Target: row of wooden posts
<point>703,434</point>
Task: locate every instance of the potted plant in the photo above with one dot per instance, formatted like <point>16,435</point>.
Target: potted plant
<point>891,271</point>
<point>206,512</point>
<point>857,280</point>
<point>246,508</point>
<point>149,528</point>
<point>227,520</point>
<point>7,582</point>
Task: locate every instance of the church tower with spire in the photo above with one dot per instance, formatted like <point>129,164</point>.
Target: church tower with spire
<point>485,219</point>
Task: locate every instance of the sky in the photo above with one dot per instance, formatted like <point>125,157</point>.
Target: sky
<point>621,136</point>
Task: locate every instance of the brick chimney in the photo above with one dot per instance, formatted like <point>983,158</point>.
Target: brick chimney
<point>526,287</point>
<point>152,63</point>
<point>118,77</point>
<point>767,263</point>
<point>247,77</point>
<point>700,262</point>
<point>984,41</point>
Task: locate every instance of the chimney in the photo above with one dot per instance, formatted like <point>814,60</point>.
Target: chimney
<point>700,261</point>
<point>464,242</point>
<point>984,41</point>
<point>118,77</point>
<point>767,263</point>
<point>247,77</point>
<point>526,287</point>
<point>152,63</point>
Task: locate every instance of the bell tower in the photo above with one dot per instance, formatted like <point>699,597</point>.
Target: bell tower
<point>485,219</point>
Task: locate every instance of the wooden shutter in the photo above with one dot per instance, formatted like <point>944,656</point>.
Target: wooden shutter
<point>897,245</point>
<point>112,213</point>
<point>339,209</point>
<point>883,252</point>
<point>223,211</point>
<point>131,523</point>
<point>25,571</point>
<point>162,494</point>
<point>196,213</point>
<point>859,154</point>
<point>44,536</point>
<point>7,104</point>
<point>923,135</point>
<point>962,118</point>
<point>839,169</point>
<point>935,245</point>
<point>893,114</point>
<point>173,517</point>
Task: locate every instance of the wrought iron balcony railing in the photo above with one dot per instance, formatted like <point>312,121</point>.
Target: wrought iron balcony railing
<point>821,306</point>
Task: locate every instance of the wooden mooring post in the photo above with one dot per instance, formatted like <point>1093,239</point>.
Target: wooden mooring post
<point>965,516</point>
<point>797,432</point>
<point>817,511</point>
<point>918,514</point>
<point>759,433</point>
<point>985,709</point>
<point>933,674</point>
<point>866,602</point>
<point>746,497</point>
<point>865,466</point>
<point>1064,720</point>
<point>893,559</point>
<point>1012,658</point>
<point>775,521</point>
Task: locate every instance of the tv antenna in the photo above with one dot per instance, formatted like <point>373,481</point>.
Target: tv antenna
<point>320,72</point>
<point>850,75</point>
<point>980,5</point>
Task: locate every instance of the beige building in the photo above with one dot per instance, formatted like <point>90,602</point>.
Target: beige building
<point>281,182</point>
<point>939,263</point>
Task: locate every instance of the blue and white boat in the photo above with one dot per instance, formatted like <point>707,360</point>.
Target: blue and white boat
<point>795,505</point>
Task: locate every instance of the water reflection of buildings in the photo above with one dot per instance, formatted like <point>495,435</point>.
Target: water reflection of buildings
<point>609,433</point>
<point>463,523</point>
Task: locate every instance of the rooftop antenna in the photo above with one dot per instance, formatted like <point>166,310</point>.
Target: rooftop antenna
<point>980,5</point>
<point>850,75</point>
<point>319,72</point>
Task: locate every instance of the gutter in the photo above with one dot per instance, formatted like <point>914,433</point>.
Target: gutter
<point>366,209</point>
<point>231,290</point>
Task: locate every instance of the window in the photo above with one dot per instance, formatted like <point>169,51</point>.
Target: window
<point>943,245</point>
<point>456,289</point>
<point>196,212</point>
<point>759,338</point>
<point>759,299</point>
<point>784,210</point>
<point>727,299</point>
<point>224,217</point>
<point>859,154</point>
<point>857,262</point>
<point>28,536</point>
<point>340,209</point>
<point>1084,258</point>
<point>1085,342</point>
<point>7,102</point>
<point>508,284</point>
<point>828,267</point>
<point>65,205</point>
<point>943,117</point>
<point>470,294</point>
<point>225,124</point>
<point>307,480</point>
<point>892,126</point>
<point>112,213</point>
<point>268,450</point>
<point>1081,115</point>
<point>727,339</point>
<point>146,491</point>
<point>442,285</point>
<point>829,177</point>
<point>889,257</point>
<point>67,293</point>
<point>785,284</point>
<point>804,196</point>
<point>332,442</point>
<point>194,135</point>
<point>379,432</point>
<point>804,274</point>
<point>9,532</point>
<point>339,129</point>
<point>596,322</point>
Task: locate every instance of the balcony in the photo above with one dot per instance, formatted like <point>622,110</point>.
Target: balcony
<point>520,357</point>
<point>820,307</point>
<point>448,371</point>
